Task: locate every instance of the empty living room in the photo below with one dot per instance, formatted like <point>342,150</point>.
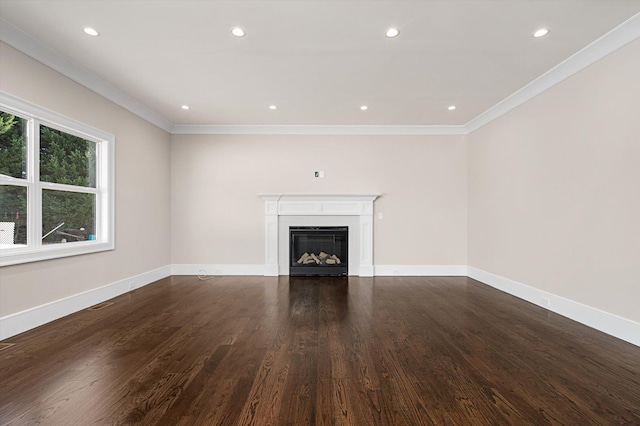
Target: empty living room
<point>354,212</point>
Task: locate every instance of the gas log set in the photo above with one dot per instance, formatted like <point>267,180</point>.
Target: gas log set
<point>320,259</point>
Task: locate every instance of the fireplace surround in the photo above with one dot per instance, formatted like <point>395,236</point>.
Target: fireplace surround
<point>354,211</point>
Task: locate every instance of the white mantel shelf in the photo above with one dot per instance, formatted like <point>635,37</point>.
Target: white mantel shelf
<point>361,205</point>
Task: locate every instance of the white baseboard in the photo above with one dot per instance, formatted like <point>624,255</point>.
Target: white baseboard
<point>611,324</point>
<point>421,270</point>
<point>212,269</point>
<point>266,270</point>
<point>20,322</point>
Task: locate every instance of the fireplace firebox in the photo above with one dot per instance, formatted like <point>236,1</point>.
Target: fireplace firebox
<point>318,250</point>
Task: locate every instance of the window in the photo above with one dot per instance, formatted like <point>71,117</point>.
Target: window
<point>56,185</point>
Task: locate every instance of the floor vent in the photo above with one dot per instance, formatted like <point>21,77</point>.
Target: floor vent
<point>5,345</point>
<point>100,306</point>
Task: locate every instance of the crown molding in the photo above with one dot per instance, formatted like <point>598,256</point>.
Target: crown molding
<point>194,129</point>
<point>610,42</point>
<point>28,45</point>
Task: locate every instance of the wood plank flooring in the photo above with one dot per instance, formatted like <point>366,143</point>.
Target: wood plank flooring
<point>318,351</point>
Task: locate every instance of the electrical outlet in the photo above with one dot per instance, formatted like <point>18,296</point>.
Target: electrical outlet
<point>319,174</point>
<point>380,215</point>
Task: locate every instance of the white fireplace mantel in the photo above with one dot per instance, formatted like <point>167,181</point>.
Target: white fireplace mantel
<point>278,205</point>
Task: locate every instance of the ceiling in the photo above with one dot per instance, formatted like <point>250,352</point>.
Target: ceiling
<point>317,61</point>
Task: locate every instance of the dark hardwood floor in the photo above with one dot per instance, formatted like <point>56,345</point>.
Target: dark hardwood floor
<point>324,351</point>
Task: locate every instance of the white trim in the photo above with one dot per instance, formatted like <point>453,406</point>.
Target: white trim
<point>611,324</point>
<point>420,270</point>
<point>24,254</point>
<point>378,270</point>
<point>195,129</point>
<point>20,322</point>
<point>217,269</point>
<point>42,53</point>
<point>608,43</point>
<point>26,109</point>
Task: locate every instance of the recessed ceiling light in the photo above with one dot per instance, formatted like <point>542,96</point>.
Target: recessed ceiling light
<point>185,106</point>
<point>451,108</point>
<point>273,107</point>
<point>91,31</point>
<point>392,32</point>
<point>238,32</point>
<point>541,33</point>
<point>364,107</point>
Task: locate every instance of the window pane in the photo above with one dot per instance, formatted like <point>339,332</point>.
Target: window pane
<point>13,146</point>
<point>13,215</point>
<point>67,159</point>
<point>67,216</point>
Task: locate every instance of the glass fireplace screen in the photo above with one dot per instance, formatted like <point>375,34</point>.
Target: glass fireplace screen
<point>319,250</point>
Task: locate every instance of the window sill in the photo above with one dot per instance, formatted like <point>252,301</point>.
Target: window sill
<point>15,254</point>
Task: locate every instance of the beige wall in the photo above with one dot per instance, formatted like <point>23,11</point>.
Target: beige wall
<point>217,217</point>
<point>142,191</point>
<point>554,188</point>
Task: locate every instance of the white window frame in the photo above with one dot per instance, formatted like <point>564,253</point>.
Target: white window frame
<point>105,186</point>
